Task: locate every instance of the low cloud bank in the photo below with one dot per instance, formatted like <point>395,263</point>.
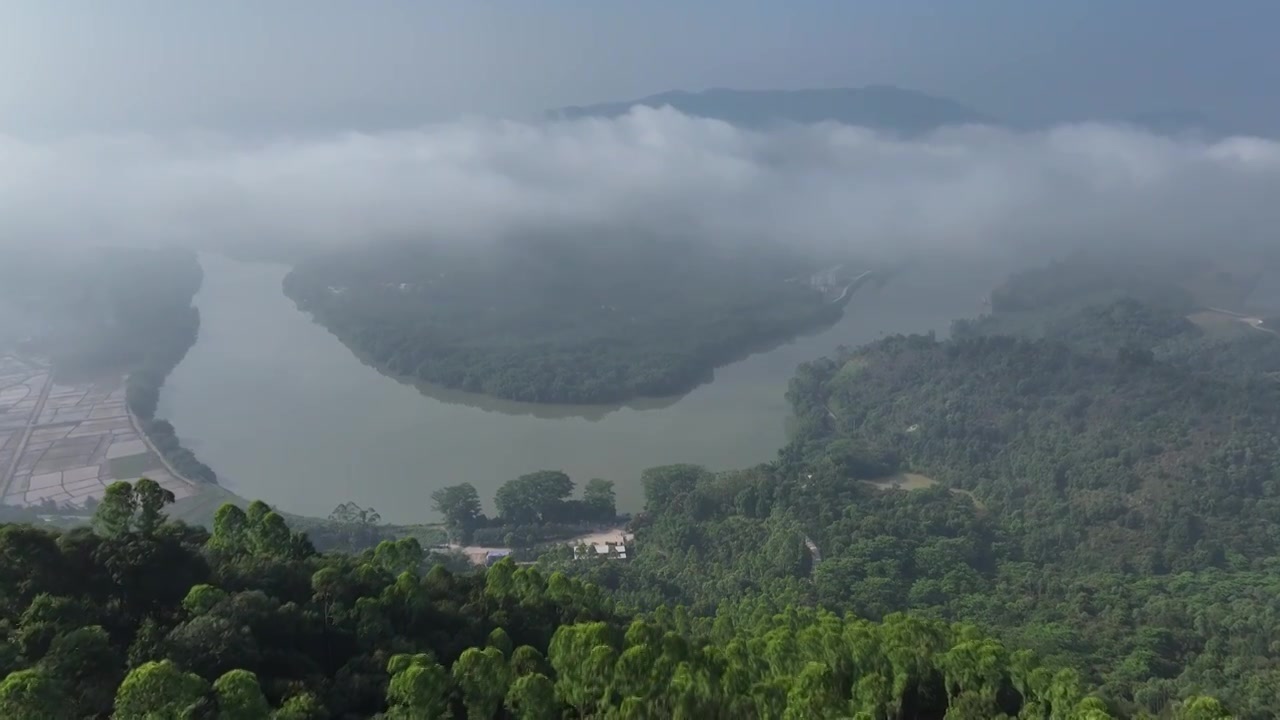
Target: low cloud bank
<point>961,191</point>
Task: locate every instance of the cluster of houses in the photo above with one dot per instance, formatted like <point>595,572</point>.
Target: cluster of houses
<point>611,550</point>
<point>581,551</point>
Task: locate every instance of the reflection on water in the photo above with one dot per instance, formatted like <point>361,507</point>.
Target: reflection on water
<point>547,412</point>
<point>489,403</point>
<point>286,413</point>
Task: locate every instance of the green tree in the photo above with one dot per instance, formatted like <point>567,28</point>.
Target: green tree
<point>1201,707</point>
<point>44,619</point>
<point>88,666</point>
<point>158,690</point>
<point>500,640</point>
<point>533,697</point>
<point>358,525</point>
<point>419,688</point>
<point>459,505</point>
<point>526,660</point>
<point>30,563</point>
<point>532,497</point>
<point>664,484</point>
<point>269,535</point>
<point>34,694</point>
<point>403,555</point>
<point>599,497</point>
<point>583,658</point>
<point>150,499</point>
<point>301,707</point>
<point>202,598</point>
<point>256,511</point>
<point>230,529</point>
<point>240,697</point>
<point>483,677</point>
<point>114,515</point>
<point>352,514</point>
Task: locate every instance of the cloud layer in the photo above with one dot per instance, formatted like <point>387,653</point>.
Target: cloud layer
<point>962,190</point>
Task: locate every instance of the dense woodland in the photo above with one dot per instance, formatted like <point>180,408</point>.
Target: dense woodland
<point>565,321</point>
<point>140,618</point>
<point>532,509</point>
<point>1107,495</point>
<point>1093,534</point>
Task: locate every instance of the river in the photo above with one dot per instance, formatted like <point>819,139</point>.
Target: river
<point>285,413</point>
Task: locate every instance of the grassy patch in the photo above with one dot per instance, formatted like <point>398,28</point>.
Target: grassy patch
<point>904,481</point>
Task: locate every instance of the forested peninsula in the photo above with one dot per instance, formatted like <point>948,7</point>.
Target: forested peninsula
<point>556,320</point>
<point>1067,509</point>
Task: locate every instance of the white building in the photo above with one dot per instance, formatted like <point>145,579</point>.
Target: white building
<point>613,551</point>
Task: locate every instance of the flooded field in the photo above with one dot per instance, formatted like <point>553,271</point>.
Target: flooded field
<point>61,443</point>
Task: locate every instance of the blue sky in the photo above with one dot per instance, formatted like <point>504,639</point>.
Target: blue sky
<point>293,65</point>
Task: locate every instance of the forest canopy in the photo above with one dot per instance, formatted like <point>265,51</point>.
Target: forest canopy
<point>142,618</point>
<point>1065,510</point>
<point>1099,487</point>
<point>562,320</point>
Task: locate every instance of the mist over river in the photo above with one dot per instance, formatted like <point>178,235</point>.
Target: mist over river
<point>286,413</point>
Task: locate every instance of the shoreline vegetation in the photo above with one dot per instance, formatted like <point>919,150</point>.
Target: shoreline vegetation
<point>564,322</point>
<point>164,324</point>
<point>141,617</point>
<point>142,394</point>
<point>1064,510</point>
<point>1085,472</point>
<point>120,311</point>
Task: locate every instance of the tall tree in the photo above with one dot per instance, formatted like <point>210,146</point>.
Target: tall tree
<point>114,515</point>
<point>230,529</point>
<point>419,688</point>
<point>599,497</point>
<point>239,696</point>
<point>664,484</point>
<point>403,555</point>
<point>459,505</point>
<point>301,707</point>
<point>359,525</point>
<point>34,694</point>
<point>532,497</point>
<point>533,697</point>
<point>483,677</point>
<point>151,499</point>
<point>30,563</point>
<point>159,690</point>
<point>89,666</point>
<point>269,535</point>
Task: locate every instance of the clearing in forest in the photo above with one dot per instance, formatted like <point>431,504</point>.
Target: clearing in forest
<point>916,481</point>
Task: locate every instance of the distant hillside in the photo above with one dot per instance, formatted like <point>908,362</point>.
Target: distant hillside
<point>881,107</point>
<point>1177,122</point>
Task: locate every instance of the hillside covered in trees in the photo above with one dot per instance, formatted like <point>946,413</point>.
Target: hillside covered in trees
<point>1100,487</point>
<point>1067,510</point>
<point>561,320</point>
<point>141,618</point>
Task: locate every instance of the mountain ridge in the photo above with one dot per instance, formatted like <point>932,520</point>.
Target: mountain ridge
<point>882,107</point>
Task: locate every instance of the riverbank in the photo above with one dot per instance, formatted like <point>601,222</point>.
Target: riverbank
<point>280,407</point>
<point>64,441</point>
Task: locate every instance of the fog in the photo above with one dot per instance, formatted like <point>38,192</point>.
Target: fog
<point>960,191</point>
